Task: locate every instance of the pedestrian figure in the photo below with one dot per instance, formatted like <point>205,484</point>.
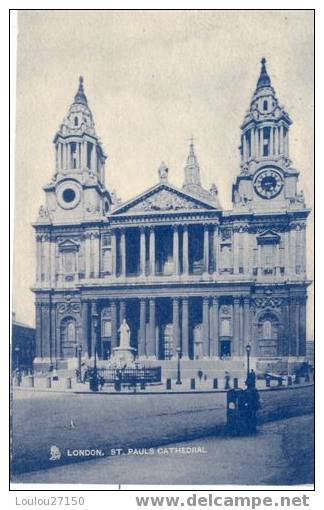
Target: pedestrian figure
<point>249,405</point>
<point>250,380</point>
<point>83,373</point>
<point>101,382</point>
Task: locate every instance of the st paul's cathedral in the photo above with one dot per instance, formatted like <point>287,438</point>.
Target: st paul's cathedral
<point>187,275</point>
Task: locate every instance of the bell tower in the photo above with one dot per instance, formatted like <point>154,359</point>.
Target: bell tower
<point>267,179</point>
<point>77,190</point>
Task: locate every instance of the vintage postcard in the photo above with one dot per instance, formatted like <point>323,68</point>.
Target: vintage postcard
<point>162,317</point>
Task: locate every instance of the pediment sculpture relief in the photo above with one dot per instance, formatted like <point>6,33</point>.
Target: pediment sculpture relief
<point>165,201</point>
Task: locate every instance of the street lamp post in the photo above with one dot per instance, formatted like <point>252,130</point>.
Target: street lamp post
<point>17,351</point>
<point>79,353</point>
<point>248,352</point>
<point>178,381</point>
<point>94,383</point>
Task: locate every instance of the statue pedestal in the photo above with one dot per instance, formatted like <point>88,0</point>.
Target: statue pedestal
<point>124,355</point>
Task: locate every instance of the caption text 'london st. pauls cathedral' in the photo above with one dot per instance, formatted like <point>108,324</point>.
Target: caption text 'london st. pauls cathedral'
<point>183,272</point>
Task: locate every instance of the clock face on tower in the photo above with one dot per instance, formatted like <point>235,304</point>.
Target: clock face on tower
<point>268,183</point>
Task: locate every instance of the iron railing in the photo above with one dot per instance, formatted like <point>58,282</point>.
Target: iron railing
<point>147,375</point>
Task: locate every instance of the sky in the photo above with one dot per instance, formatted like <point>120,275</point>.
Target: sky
<point>153,79</point>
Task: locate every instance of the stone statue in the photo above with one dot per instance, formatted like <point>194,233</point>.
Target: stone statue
<point>124,332</point>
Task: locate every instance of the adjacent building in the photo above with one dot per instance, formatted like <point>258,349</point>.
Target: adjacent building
<point>22,345</point>
<point>188,275</point>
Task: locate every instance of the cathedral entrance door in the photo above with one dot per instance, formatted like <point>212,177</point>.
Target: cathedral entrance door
<point>198,342</point>
<point>224,349</point>
<point>68,338</point>
<point>167,341</point>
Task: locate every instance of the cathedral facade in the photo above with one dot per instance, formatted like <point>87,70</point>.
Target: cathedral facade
<point>188,276</point>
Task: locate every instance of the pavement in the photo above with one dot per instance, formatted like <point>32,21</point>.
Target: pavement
<point>41,420</point>
<point>281,453</point>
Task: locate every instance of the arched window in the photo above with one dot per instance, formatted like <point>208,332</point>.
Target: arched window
<point>68,337</point>
<point>70,332</point>
<point>267,329</point>
<point>265,105</point>
<point>76,121</point>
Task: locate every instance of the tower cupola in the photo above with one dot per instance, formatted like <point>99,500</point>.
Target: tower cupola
<point>77,147</point>
<point>265,128</point>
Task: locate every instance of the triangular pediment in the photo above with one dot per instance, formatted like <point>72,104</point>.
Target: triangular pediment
<point>268,237</point>
<point>68,244</point>
<point>163,198</point>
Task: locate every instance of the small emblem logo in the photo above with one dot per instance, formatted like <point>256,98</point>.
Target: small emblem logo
<point>55,453</point>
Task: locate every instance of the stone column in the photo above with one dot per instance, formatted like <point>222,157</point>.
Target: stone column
<point>292,251</point>
<point>176,332</point>
<point>236,326</point>
<point>95,253</point>
<point>54,339</point>
<point>302,327</point>
<point>151,341</point>
<point>286,325</point>
<point>241,331</point>
<point>123,252</point>
<point>114,332</point>
<point>38,346</point>
<point>206,249</point>
<point>87,241</point>
<point>205,322</point>
<point>176,249</point>
<point>47,257</point>
<point>252,138</point>
<point>94,327</point>
<point>247,252</point>
<point>216,249</point>
<point>303,249</point>
<point>244,147</point>
<point>46,330</point>
<point>114,252</point>
<point>261,142</point>
<point>215,327</point>
<point>271,144</point>
<point>57,156</point>
<point>93,158</point>
<point>142,251</point>
<point>85,328</point>
<point>275,151</point>
<point>185,250</point>
<point>235,248</point>
<point>281,139</point>
<point>53,262</point>
<point>38,258</point>
<point>246,321</point>
<point>152,251</point>
<point>185,328</point>
<point>257,150</point>
<point>142,329</point>
<point>64,159</point>
<point>286,144</point>
<point>292,328</point>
